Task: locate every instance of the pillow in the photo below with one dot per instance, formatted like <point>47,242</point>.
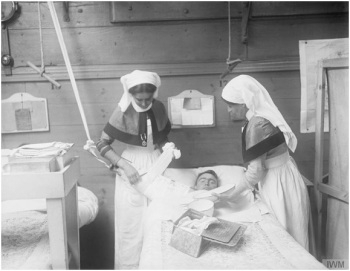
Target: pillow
<point>226,174</point>
<point>88,206</point>
<point>188,176</point>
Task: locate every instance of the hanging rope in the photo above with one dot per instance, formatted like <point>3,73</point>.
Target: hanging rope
<point>229,32</point>
<point>41,42</point>
<point>41,71</point>
<point>90,145</point>
<point>230,63</point>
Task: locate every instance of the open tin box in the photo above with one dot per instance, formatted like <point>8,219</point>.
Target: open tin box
<point>222,232</point>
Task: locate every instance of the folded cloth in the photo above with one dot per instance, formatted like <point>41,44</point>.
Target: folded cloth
<point>42,149</point>
<point>196,226</point>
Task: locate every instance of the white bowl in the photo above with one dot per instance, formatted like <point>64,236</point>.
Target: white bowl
<point>203,205</point>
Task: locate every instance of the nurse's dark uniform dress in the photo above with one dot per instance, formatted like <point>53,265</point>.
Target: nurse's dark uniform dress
<point>143,133</point>
<point>280,183</point>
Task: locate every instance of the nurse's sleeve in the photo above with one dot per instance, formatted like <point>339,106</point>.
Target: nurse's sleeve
<point>106,150</point>
<point>255,172</point>
<point>260,130</point>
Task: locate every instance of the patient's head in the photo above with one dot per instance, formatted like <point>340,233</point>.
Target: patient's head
<point>207,180</point>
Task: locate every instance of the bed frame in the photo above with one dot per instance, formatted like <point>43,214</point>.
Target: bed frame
<point>60,190</point>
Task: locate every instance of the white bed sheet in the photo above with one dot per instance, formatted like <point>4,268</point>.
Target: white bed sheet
<point>25,238</point>
<point>265,245</point>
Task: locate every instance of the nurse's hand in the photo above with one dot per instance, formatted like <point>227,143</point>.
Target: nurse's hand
<point>232,194</point>
<point>130,171</point>
<point>226,196</point>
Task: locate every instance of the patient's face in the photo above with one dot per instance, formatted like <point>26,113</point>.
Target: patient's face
<point>206,182</point>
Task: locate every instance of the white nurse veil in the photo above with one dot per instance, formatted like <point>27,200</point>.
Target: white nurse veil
<point>135,78</point>
<point>244,89</point>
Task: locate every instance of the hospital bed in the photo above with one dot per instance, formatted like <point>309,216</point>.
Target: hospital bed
<point>41,217</point>
<point>264,245</point>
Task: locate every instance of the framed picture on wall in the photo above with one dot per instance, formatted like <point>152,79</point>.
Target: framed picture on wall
<point>23,113</point>
<point>191,109</point>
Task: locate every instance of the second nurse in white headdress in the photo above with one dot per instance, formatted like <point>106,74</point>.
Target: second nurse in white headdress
<point>266,142</point>
<point>142,123</point>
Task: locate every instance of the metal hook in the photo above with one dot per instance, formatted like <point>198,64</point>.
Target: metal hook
<point>66,11</point>
<point>231,65</point>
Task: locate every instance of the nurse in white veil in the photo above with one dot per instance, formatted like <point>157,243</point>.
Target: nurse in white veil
<point>142,123</point>
<point>266,142</point>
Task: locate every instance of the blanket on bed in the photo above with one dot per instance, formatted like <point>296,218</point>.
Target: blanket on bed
<point>265,245</point>
<point>24,236</point>
<point>250,253</point>
<point>24,232</point>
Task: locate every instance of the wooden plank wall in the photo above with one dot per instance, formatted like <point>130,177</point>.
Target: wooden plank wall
<point>189,52</point>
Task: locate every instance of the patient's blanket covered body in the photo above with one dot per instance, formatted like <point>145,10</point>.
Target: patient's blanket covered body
<point>265,244</point>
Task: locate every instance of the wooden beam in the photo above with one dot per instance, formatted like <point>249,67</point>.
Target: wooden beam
<point>333,192</point>
<point>26,74</point>
<point>174,11</point>
<point>307,182</point>
<point>338,63</point>
<point>319,149</point>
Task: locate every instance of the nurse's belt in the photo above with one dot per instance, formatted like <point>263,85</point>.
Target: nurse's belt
<point>90,146</point>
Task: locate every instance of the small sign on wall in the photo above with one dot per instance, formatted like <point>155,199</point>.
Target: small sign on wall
<point>23,112</point>
<point>191,109</point>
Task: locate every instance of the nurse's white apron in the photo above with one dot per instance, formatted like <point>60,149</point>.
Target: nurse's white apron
<point>130,206</point>
<point>285,193</point>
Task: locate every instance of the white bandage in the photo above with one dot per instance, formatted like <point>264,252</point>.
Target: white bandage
<point>157,169</point>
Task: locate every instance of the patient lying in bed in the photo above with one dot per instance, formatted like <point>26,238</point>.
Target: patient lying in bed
<point>266,244</point>
<point>207,180</point>
<point>170,195</point>
<point>179,194</point>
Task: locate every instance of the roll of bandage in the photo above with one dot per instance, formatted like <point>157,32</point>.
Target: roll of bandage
<point>160,165</point>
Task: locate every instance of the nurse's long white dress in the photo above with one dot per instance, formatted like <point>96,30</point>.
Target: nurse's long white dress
<point>130,206</point>
<point>281,185</point>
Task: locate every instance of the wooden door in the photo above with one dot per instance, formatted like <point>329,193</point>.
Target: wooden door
<point>337,227</point>
<point>333,234</point>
